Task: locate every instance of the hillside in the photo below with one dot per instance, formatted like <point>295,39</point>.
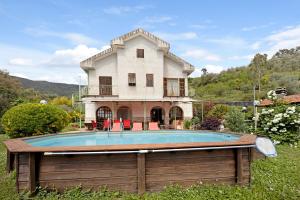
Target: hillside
<point>236,84</point>
<point>49,88</point>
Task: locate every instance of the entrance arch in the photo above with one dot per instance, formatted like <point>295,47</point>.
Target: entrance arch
<point>124,113</point>
<point>175,113</point>
<point>157,114</point>
<point>103,113</point>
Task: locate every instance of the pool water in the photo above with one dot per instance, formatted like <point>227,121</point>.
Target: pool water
<point>145,137</point>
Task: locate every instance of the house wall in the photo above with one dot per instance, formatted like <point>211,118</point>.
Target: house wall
<point>137,109</point>
<point>125,61</point>
<point>104,67</point>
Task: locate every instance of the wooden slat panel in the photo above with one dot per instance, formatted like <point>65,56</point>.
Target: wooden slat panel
<point>89,174</point>
<point>141,173</point>
<point>113,171</point>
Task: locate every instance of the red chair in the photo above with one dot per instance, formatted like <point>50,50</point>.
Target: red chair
<point>153,126</point>
<point>94,124</point>
<point>106,124</point>
<point>116,121</point>
<point>127,124</point>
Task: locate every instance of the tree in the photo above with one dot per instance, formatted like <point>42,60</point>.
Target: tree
<point>9,91</point>
<point>204,71</point>
<point>257,66</point>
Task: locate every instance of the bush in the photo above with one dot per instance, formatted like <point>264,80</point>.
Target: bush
<point>211,123</point>
<point>280,123</point>
<point>196,123</point>
<point>33,119</point>
<point>218,111</point>
<point>187,124</point>
<point>235,120</point>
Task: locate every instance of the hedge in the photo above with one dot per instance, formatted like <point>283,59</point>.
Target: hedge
<point>33,119</point>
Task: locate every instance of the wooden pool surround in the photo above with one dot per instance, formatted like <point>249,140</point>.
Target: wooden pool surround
<point>118,167</point>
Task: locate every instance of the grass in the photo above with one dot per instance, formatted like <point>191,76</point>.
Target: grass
<point>273,178</point>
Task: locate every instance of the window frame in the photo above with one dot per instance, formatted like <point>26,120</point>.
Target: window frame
<point>151,80</point>
<point>140,53</point>
<point>131,80</point>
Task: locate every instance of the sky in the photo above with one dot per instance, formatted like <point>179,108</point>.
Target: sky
<point>46,40</point>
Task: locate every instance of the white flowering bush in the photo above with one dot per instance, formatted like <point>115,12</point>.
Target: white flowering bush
<point>272,95</point>
<point>280,123</point>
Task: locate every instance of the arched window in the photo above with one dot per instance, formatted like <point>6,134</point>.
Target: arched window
<point>102,113</point>
<point>175,113</point>
<point>124,113</point>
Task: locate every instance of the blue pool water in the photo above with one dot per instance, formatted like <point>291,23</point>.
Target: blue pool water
<point>147,137</point>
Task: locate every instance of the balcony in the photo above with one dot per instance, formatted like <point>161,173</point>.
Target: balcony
<point>99,90</point>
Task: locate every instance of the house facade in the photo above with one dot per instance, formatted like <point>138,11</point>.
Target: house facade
<point>137,78</point>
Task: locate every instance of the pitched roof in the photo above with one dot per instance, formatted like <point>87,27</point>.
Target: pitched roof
<point>288,99</point>
<point>118,42</point>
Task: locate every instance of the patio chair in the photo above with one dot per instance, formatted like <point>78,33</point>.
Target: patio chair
<point>137,126</point>
<point>94,124</point>
<point>127,124</point>
<point>116,121</point>
<point>153,126</point>
<point>116,127</point>
<point>106,124</point>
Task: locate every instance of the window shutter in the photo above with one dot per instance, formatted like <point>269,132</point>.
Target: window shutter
<point>182,87</point>
<point>149,80</point>
<point>165,87</point>
<point>140,53</point>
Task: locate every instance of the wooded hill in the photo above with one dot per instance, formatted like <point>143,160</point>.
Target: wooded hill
<point>49,88</point>
<point>236,84</point>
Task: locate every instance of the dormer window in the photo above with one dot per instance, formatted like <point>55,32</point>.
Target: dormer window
<point>131,79</point>
<point>140,53</point>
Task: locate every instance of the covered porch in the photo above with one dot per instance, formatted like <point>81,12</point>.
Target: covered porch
<point>166,113</point>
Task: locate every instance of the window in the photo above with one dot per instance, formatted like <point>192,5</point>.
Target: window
<point>149,80</point>
<point>173,87</point>
<point>140,53</point>
<point>105,85</point>
<point>131,79</point>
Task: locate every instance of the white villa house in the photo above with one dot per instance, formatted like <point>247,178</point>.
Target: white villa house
<point>137,78</point>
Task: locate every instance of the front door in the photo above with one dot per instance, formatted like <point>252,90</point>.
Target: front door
<point>157,115</point>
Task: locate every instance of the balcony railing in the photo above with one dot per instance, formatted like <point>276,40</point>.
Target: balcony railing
<point>99,90</point>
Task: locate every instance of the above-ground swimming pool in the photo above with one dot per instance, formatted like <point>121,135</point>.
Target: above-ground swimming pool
<point>130,161</point>
<point>120,138</point>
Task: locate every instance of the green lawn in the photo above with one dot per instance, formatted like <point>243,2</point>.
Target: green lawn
<point>273,178</point>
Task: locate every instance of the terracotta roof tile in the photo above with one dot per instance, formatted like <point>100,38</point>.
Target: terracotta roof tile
<point>289,99</point>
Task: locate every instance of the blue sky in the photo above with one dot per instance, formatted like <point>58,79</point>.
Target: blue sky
<point>46,40</point>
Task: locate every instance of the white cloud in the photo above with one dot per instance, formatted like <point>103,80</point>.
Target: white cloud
<point>151,22</point>
<point>19,75</point>
<point>201,54</point>
<point>232,41</point>
<point>245,57</point>
<point>253,28</point>
<point>75,38</point>
<point>60,66</point>
<point>284,39</point>
<point>210,69</point>
<point>119,10</point>
<point>71,56</point>
<point>177,36</point>
<point>20,61</point>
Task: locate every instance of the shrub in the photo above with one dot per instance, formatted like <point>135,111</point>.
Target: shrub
<point>280,123</point>
<point>218,111</point>
<point>211,123</point>
<point>235,120</point>
<point>196,123</point>
<point>33,119</point>
<point>187,124</point>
